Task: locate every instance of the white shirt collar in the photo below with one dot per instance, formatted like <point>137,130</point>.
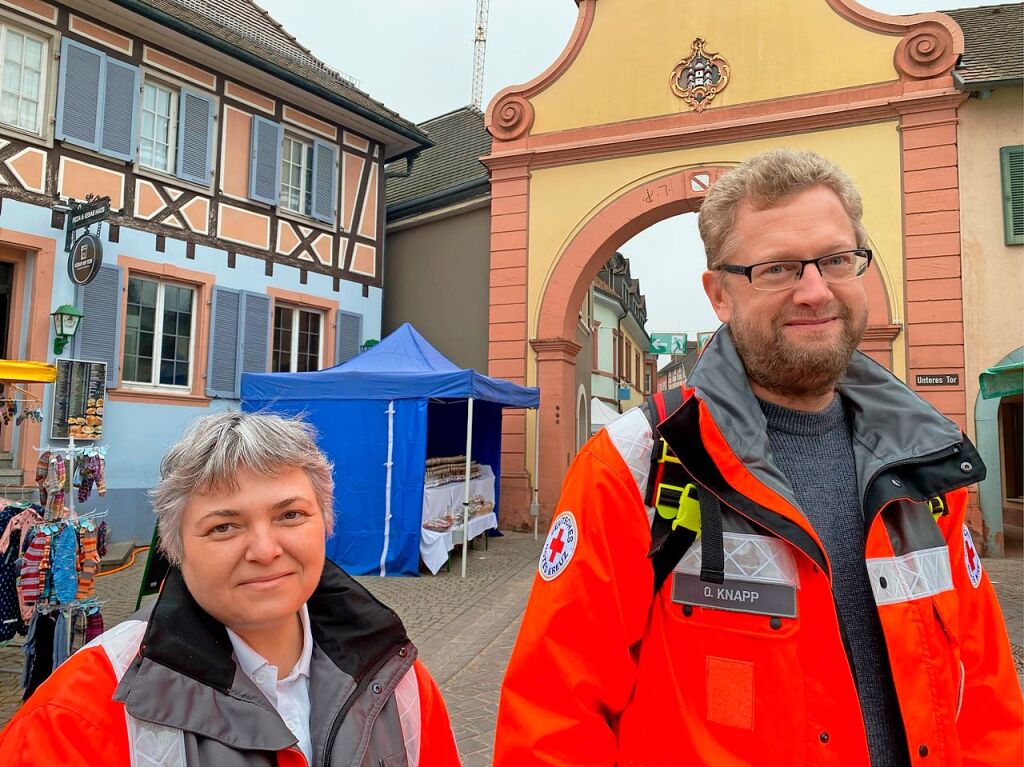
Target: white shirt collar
<point>251,661</point>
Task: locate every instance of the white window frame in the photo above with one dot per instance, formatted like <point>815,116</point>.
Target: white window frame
<point>42,108</point>
<point>172,137</point>
<point>304,172</point>
<point>293,361</point>
<point>158,327</point>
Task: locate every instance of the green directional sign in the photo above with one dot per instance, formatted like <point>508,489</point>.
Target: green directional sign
<point>668,343</point>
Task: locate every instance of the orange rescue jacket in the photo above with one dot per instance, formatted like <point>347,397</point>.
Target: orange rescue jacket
<point>606,672</point>
<point>167,692</point>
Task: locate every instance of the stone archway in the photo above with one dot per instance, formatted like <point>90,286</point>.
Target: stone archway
<point>575,174</point>
<point>639,207</point>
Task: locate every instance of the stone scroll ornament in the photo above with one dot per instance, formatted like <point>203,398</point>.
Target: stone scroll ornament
<point>927,51</point>
<point>511,119</point>
<point>700,77</point>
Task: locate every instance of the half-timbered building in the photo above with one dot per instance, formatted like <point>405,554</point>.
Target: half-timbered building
<point>245,180</point>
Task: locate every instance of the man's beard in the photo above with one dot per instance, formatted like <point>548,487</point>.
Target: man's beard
<point>797,370</point>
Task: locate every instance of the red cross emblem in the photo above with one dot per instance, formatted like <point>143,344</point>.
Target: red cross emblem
<point>557,544</point>
<point>971,559</point>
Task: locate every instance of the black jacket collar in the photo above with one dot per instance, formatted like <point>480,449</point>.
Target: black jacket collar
<point>351,627</point>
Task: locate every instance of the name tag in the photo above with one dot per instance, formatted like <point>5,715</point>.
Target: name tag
<point>737,596</point>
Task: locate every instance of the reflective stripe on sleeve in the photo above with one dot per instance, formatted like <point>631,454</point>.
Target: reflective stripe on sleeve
<point>911,576</point>
<point>407,697</point>
<point>631,435</point>
<point>149,745</point>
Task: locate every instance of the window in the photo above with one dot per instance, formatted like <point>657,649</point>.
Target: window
<point>1011,160</point>
<point>176,131</point>
<point>297,176</point>
<point>157,132</point>
<point>298,343</point>
<point>159,328</point>
<point>22,78</point>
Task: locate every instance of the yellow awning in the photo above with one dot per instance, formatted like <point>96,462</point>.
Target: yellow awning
<point>19,371</point>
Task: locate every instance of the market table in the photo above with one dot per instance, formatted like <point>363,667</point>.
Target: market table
<point>435,544</point>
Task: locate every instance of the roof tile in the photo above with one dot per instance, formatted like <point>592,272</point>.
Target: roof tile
<point>249,28</point>
<point>993,43</point>
<point>460,140</point>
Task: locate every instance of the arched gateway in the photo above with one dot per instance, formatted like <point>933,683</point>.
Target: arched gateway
<point>647,105</point>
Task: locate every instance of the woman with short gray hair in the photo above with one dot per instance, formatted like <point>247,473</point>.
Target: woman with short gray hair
<point>258,650</point>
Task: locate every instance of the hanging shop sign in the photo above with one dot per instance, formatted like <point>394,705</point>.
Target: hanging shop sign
<point>85,259</point>
<point>938,379</point>
<point>85,250</point>
<point>79,395</point>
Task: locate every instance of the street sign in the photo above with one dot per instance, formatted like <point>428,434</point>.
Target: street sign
<point>668,343</point>
<point>623,393</point>
<point>938,379</point>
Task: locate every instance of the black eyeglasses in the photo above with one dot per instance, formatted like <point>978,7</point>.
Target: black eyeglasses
<point>778,275</point>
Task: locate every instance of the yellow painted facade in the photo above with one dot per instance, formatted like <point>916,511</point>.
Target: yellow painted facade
<point>577,149</point>
<point>775,50</point>
<point>993,272</point>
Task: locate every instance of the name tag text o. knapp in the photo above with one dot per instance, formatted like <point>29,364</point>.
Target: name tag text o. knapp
<point>734,595</point>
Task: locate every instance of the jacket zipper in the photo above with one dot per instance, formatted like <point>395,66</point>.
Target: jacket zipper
<point>332,734</point>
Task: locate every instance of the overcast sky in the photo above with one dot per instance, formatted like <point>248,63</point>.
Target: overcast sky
<point>416,56</point>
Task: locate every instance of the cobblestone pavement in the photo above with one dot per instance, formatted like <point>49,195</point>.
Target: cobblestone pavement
<point>465,629</point>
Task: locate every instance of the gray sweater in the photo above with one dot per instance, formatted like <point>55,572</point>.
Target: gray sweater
<point>815,452</point>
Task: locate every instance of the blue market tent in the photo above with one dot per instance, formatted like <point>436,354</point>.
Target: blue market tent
<point>379,416</point>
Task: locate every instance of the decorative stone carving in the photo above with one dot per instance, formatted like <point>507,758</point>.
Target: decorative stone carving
<point>927,51</point>
<point>700,77</point>
<point>511,118</point>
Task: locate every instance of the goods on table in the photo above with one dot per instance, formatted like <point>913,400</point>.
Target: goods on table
<point>445,470</point>
<point>441,523</point>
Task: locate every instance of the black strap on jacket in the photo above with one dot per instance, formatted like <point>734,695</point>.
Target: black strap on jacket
<point>674,496</point>
<point>712,552</point>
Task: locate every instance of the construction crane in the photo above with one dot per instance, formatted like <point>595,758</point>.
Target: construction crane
<point>479,51</point>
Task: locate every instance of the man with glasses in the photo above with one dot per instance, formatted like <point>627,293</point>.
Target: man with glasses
<point>778,572</point>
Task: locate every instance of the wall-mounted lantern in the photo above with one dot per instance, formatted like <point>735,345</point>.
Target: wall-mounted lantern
<point>66,320</point>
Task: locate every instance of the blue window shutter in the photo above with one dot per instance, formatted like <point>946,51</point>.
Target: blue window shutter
<point>255,343</point>
<point>195,137</point>
<point>349,336</point>
<point>78,97</point>
<point>222,366</point>
<point>99,336</point>
<point>325,181</point>
<point>120,100</point>
<point>265,163</point>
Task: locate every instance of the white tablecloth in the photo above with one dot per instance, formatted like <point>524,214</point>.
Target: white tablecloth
<point>435,544</point>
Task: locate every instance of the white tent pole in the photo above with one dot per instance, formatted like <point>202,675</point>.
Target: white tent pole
<point>535,506</point>
<point>465,503</point>
<point>387,488</point>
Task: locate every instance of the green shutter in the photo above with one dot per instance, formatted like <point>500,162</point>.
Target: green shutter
<point>1011,158</point>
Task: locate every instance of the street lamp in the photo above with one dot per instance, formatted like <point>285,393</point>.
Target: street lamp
<point>66,320</point>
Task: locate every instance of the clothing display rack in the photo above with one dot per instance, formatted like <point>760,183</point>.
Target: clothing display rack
<point>70,453</point>
<point>59,560</point>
